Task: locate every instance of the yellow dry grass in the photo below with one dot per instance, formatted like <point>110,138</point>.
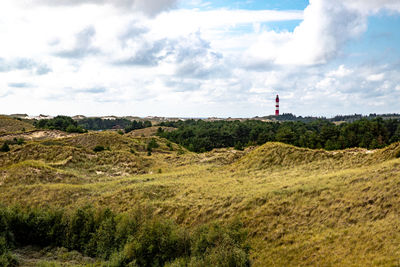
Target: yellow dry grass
<point>302,207</point>
<point>10,125</point>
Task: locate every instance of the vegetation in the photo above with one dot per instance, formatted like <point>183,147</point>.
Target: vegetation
<point>355,117</point>
<point>11,125</point>
<point>126,239</point>
<point>98,148</point>
<point>296,206</point>
<point>200,136</point>
<point>136,125</point>
<point>97,124</point>
<point>62,123</point>
<point>5,147</point>
<point>338,118</point>
<point>151,145</point>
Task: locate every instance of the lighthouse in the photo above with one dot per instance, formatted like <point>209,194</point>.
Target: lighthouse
<point>277,106</point>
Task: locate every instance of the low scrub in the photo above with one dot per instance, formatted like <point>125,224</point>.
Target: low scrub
<point>122,240</point>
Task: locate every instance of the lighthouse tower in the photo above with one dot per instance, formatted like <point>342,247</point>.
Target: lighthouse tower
<point>277,106</point>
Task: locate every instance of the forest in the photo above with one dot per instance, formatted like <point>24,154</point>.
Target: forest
<point>201,136</point>
<point>67,124</point>
<point>62,123</point>
<point>97,124</point>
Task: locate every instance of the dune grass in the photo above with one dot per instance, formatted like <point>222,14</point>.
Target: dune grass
<point>300,206</point>
<point>9,125</point>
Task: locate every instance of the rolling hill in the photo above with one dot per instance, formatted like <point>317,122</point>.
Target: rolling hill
<point>10,125</point>
<point>300,206</point>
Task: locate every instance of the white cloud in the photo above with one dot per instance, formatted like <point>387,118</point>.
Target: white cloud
<point>151,8</point>
<point>376,77</point>
<point>218,22</point>
<point>341,72</point>
<point>184,62</point>
<point>373,6</point>
<point>326,27</point>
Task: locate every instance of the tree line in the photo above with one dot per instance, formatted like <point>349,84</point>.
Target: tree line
<point>129,239</point>
<point>200,136</point>
<point>97,124</point>
<point>62,123</point>
<point>67,124</point>
<point>338,118</point>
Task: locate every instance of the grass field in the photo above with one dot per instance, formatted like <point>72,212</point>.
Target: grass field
<point>10,125</point>
<point>300,206</point>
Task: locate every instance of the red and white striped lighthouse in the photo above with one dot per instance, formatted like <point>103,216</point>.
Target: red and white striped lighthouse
<point>277,106</point>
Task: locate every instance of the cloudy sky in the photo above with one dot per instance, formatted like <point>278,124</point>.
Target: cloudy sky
<point>195,58</point>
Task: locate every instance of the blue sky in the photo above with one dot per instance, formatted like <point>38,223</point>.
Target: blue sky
<point>198,58</point>
<point>249,4</point>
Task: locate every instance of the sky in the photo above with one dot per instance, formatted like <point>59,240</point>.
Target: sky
<point>195,58</point>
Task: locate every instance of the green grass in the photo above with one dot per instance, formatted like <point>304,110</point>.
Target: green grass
<point>300,206</point>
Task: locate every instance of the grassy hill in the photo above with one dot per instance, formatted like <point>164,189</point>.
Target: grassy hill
<point>10,125</point>
<point>300,206</point>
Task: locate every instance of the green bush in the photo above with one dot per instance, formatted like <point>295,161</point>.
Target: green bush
<point>5,147</point>
<point>102,243</point>
<point>8,260</point>
<point>156,243</point>
<point>239,146</point>
<point>169,145</point>
<point>153,144</point>
<point>98,148</point>
<point>17,141</point>
<point>125,240</point>
<point>75,129</point>
<point>81,227</point>
<point>216,245</point>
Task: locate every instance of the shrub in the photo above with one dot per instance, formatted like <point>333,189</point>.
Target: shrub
<point>80,229</point>
<point>239,146</point>
<point>156,243</point>
<point>169,145</point>
<point>103,240</point>
<point>75,129</point>
<point>216,245</point>
<point>17,141</point>
<point>5,147</point>
<point>8,260</point>
<point>153,144</point>
<point>98,148</point>
<point>126,240</point>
